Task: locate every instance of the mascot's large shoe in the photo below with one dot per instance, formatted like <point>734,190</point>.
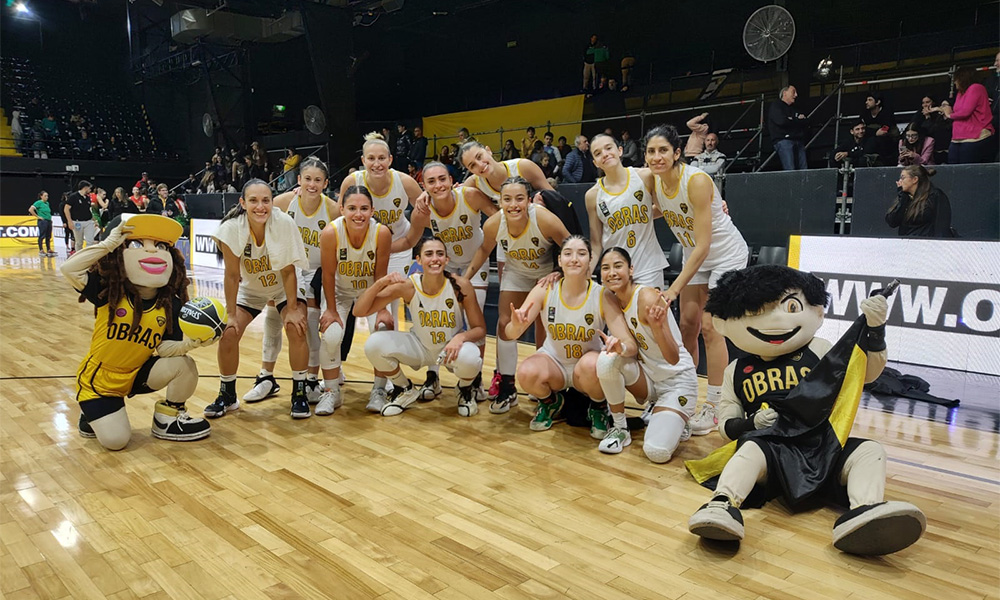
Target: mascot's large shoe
<point>717,520</point>
<point>876,529</point>
<point>175,424</point>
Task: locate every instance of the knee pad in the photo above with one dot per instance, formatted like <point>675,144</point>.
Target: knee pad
<point>662,436</point>
<point>379,350</point>
<point>609,365</point>
<point>312,335</point>
<point>468,364</point>
<point>272,335</point>
<point>329,348</point>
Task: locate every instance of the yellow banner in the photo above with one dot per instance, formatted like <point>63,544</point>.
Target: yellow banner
<point>18,232</point>
<point>513,119</point>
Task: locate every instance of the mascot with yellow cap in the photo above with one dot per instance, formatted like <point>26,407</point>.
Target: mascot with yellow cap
<point>787,410</point>
<point>136,280</point>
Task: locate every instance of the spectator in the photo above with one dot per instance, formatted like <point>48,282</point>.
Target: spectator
<point>114,149</point>
<point>537,152</point>
<point>920,209</point>
<point>42,211</point>
<point>99,206</point>
<point>630,150</point>
<point>787,126</point>
<point>464,136</point>
<point>418,152</point>
<point>218,171</point>
<point>85,145</point>
<point>389,137</point>
<point>880,129</point>
<point>258,167</point>
<point>564,149</point>
<point>138,200</point>
<point>856,150</point>
<point>528,142</point>
<point>972,122</point>
<point>61,209</point>
<point>239,170</point>
<point>547,165</point>
<point>118,205</point>
<point>590,65</point>
<point>289,165</point>
<point>173,207</point>
<point>32,113</point>
<point>612,85</point>
<point>38,145</point>
<point>933,124</point>
<point>78,218</point>
<point>144,181</point>
<point>915,149</point>
<point>445,157</point>
<point>993,89</point>
<point>509,151</point>
<point>711,160</point>
<point>404,143</point>
<point>628,63</point>
<point>575,168</point>
<point>17,131</point>
<point>552,150</point>
<point>158,200</point>
<point>49,126</point>
<point>416,174</point>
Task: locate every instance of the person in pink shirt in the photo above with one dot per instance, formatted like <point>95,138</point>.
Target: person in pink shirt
<point>972,129</point>
<point>914,148</point>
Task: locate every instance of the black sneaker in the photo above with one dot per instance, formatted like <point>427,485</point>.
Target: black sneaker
<point>85,428</point>
<point>877,529</point>
<point>507,396</point>
<point>717,520</point>
<point>176,425</point>
<point>222,405</point>
<point>431,388</point>
<point>300,407</point>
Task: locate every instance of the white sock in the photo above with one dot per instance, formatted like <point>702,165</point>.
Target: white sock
<point>714,395</point>
<point>299,375</point>
<point>379,381</point>
<point>265,373</point>
<point>619,420</point>
<point>399,379</point>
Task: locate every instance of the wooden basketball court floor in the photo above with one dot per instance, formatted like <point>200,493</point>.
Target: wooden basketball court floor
<point>426,505</point>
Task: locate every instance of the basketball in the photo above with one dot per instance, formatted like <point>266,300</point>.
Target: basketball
<point>203,319</point>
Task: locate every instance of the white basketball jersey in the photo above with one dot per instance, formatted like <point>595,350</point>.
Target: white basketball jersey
<point>437,318</point>
<point>461,230</point>
<point>355,266</point>
<point>256,274</point>
<point>677,210</point>
<point>627,218</point>
<point>310,226</point>
<point>650,356</point>
<point>530,253</point>
<point>572,330</point>
<point>389,207</point>
<point>484,186</point>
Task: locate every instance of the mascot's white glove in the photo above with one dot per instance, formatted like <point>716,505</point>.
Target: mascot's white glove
<point>116,236</point>
<point>762,419</point>
<point>876,310</point>
<point>169,348</point>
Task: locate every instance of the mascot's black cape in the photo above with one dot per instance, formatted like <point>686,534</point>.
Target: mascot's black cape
<point>804,446</point>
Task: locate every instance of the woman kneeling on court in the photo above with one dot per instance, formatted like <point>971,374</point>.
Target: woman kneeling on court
<point>135,265</point>
<point>575,311</point>
<point>261,247</point>
<point>436,299</point>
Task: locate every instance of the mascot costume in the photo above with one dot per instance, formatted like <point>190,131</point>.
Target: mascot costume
<point>788,408</point>
<point>136,280</point>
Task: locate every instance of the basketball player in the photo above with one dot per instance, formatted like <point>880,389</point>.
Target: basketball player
<point>527,232</point>
<point>437,300</point>
<point>662,376</point>
<point>262,250</point>
<point>621,211</point>
<point>135,265</point>
<point>312,210</point>
<point>575,310</point>
<point>453,215</point>
<point>693,209</point>
<point>354,253</point>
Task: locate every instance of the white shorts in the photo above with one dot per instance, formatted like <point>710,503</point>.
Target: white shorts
<point>400,262</point>
<point>501,254</point>
<point>518,281</point>
<point>256,300</point>
<point>305,284</point>
<point>651,279</point>
<point>712,274</point>
<point>480,280</point>
<point>567,369</point>
<point>679,393</point>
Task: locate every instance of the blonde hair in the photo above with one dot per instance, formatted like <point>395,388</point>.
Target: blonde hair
<point>374,137</point>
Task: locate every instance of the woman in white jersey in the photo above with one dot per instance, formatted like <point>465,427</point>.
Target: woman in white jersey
<point>441,305</point>
<point>453,215</point>
<point>693,209</point>
<point>528,233</point>
<point>621,210</point>
<point>663,376</point>
<point>312,211</point>
<point>262,253</point>
<point>354,253</point>
<point>575,311</point>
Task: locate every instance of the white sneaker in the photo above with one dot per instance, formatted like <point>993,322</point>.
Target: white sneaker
<point>704,421</point>
<point>329,401</point>
<point>313,391</point>
<point>431,388</point>
<point>467,406</point>
<point>263,387</point>
<point>686,434</point>
<point>400,400</point>
<point>376,400</point>
<point>615,441</point>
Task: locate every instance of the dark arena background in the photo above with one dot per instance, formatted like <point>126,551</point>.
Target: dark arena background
<point>202,96</point>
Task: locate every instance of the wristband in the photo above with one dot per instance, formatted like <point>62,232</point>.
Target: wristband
<point>874,340</point>
<point>736,427</point>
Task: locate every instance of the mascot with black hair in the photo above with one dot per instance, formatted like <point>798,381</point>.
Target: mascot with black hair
<point>788,407</point>
<point>136,280</point>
